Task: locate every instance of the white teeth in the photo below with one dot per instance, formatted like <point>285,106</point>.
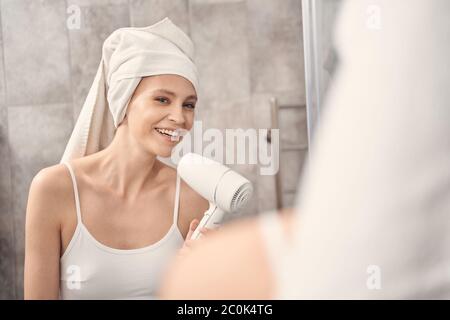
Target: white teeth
<point>169,132</point>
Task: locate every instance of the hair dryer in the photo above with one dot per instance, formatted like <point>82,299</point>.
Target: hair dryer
<point>226,190</point>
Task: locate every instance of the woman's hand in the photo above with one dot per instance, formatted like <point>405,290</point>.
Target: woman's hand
<point>188,242</point>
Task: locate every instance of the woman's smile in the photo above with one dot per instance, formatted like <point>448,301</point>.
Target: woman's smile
<point>168,135</point>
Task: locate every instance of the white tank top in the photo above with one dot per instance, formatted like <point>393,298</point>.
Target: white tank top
<point>92,270</point>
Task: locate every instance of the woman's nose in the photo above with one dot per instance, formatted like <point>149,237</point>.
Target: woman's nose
<point>176,114</point>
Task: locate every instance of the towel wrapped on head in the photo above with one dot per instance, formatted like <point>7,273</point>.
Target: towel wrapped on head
<point>128,55</point>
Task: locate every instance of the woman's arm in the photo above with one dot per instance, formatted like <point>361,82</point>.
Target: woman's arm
<point>42,238</point>
<point>231,263</point>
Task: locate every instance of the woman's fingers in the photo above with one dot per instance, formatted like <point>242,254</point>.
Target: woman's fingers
<point>205,231</point>
<point>192,226</point>
<point>188,243</point>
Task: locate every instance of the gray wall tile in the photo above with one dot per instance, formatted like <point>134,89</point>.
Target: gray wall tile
<point>289,200</point>
<point>96,2</point>
<point>261,107</point>
<point>261,113</point>
<point>147,12</point>
<point>5,183</point>
<point>267,197</point>
<point>2,71</point>
<point>7,249</point>
<point>5,174</point>
<point>276,46</point>
<point>38,135</point>
<point>219,31</point>
<point>261,110</point>
<point>292,164</point>
<point>293,126</point>
<point>7,260</point>
<point>97,23</point>
<point>231,113</point>
<point>35,51</point>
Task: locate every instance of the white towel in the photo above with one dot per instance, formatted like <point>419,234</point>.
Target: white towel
<point>128,55</point>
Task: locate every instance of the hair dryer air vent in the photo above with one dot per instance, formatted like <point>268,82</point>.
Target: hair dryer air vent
<point>240,197</point>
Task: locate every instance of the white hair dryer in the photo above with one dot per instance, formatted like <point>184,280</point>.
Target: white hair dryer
<point>226,190</point>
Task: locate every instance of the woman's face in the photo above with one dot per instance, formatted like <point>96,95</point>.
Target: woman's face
<point>160,102</point>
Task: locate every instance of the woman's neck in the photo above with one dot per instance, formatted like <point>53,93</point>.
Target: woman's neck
<point>126,168</point>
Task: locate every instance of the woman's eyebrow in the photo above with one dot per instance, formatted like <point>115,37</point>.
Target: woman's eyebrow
<point>170,93</point>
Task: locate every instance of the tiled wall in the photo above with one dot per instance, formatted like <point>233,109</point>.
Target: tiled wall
<point>247,51</point>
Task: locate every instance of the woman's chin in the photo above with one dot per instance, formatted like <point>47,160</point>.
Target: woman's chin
<point>164,152</point>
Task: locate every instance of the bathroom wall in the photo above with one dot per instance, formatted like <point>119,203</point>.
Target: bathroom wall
<point>247,52</point>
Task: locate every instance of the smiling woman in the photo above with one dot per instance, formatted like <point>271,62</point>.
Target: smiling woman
<point>104,223</point>
<point>159,114</point>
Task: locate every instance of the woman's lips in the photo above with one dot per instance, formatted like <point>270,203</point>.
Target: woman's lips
<point>167,137</point>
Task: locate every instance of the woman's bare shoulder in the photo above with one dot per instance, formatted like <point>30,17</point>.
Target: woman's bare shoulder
<point>50,189</point>
<point>54,178</point>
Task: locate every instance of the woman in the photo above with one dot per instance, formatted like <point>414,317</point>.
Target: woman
<point>104,222</point>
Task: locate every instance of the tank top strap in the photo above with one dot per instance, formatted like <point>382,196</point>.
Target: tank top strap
<point>75,191</point>
<point>177,201</point>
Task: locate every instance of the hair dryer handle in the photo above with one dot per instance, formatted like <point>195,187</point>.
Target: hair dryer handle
<point>211,219</point>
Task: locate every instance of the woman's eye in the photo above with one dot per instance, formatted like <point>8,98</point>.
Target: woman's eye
<point>162,99</point>
<point>166,101</point>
